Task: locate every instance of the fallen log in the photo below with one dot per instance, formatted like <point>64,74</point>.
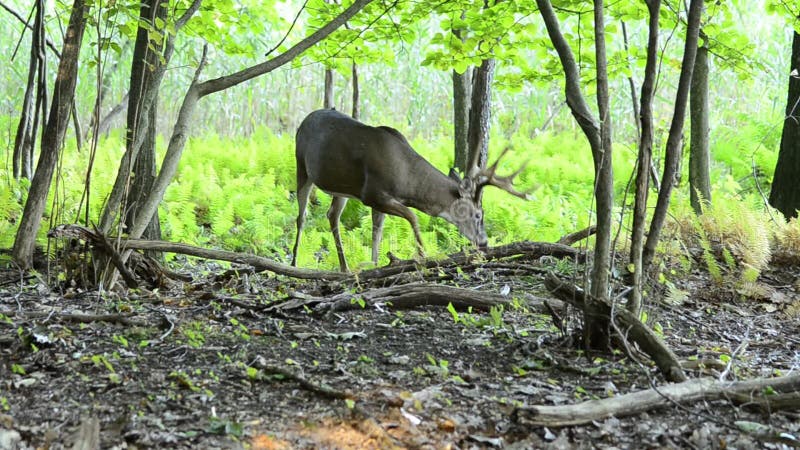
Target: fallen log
<point>769,394</point>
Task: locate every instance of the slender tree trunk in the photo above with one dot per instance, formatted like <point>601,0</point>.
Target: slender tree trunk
<point>596,333</point>
<point>40,109</point>
<point>52,138</point>
<point>785,193</point>
<point>699,178</point>
<point>462,83</point>
<point>480,114</point>
<point>673,150</point>
<point>328,100</point>
<point>356,112</point>
<point>644,160</point>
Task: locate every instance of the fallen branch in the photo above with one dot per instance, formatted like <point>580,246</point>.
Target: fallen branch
<point>577,236</point>
<point>666,361</point>
<point>400,297</point>
<point>258,262</point>
<point>701,389</point>
<point>122,319</point>
<point>318,388</point>
<point>525,249</point>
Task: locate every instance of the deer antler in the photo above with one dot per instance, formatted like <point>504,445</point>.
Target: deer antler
<point>489,176</point>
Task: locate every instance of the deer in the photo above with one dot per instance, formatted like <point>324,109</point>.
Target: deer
<point>376,165</point>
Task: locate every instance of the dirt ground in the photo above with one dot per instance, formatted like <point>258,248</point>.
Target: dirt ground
<point>207,364</point>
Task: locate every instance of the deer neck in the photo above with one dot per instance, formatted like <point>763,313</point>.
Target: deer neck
<point>433,192</point>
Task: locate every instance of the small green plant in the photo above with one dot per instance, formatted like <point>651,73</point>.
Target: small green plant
<point>239,330</point>
<point>252,373</point>
<point>121,340</point>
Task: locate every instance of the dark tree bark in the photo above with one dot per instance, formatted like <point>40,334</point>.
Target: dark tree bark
<point>596,322</point>
<point>785,193</point>
<point>327,101</point>
<point>144,170</point>
<point>462,83</point>
<point>52,138</point>
<point>480,114</point>
<point>356,112</point>
<point>644,160</point>
<point>699,178</point>
<point>673,150</point>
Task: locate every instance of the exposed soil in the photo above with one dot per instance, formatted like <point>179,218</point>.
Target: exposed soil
<point>206,365</point>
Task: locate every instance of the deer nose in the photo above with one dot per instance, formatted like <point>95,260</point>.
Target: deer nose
<point>482,245</point>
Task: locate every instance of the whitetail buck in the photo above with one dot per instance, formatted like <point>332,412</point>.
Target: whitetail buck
<point>348,159</point>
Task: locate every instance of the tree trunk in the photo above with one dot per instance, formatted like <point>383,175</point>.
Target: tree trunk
<point>327,102</point>
<point>785,193</point>
<point>644,160</point>
<point>52,138</point>
<point>461,104</point>
<point>596,332</point>
<point>699,179</point>
<point>480,114</point>
<point>144,170</point>
<point>673,150</point>
<point>356,112</point>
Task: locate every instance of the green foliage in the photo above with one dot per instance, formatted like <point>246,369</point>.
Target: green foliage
<point>733,235</point>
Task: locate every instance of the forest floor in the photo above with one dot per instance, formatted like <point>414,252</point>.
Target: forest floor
<point>208,364</point>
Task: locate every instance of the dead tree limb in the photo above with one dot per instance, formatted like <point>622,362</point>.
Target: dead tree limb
<point>258,262</point>
<point>400,297</point>
<point>524,249</point>
<point>701,389</point>
<point>666,361</point>
<point>577,236</point>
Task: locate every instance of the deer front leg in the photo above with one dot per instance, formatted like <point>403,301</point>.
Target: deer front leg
<point>334,213</point>
<point>395,208</point>
<point>377,233</point>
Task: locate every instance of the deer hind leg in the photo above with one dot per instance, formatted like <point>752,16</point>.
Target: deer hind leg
<point>304,186</point>
<point>334,213</point>
<point>377,233</point>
